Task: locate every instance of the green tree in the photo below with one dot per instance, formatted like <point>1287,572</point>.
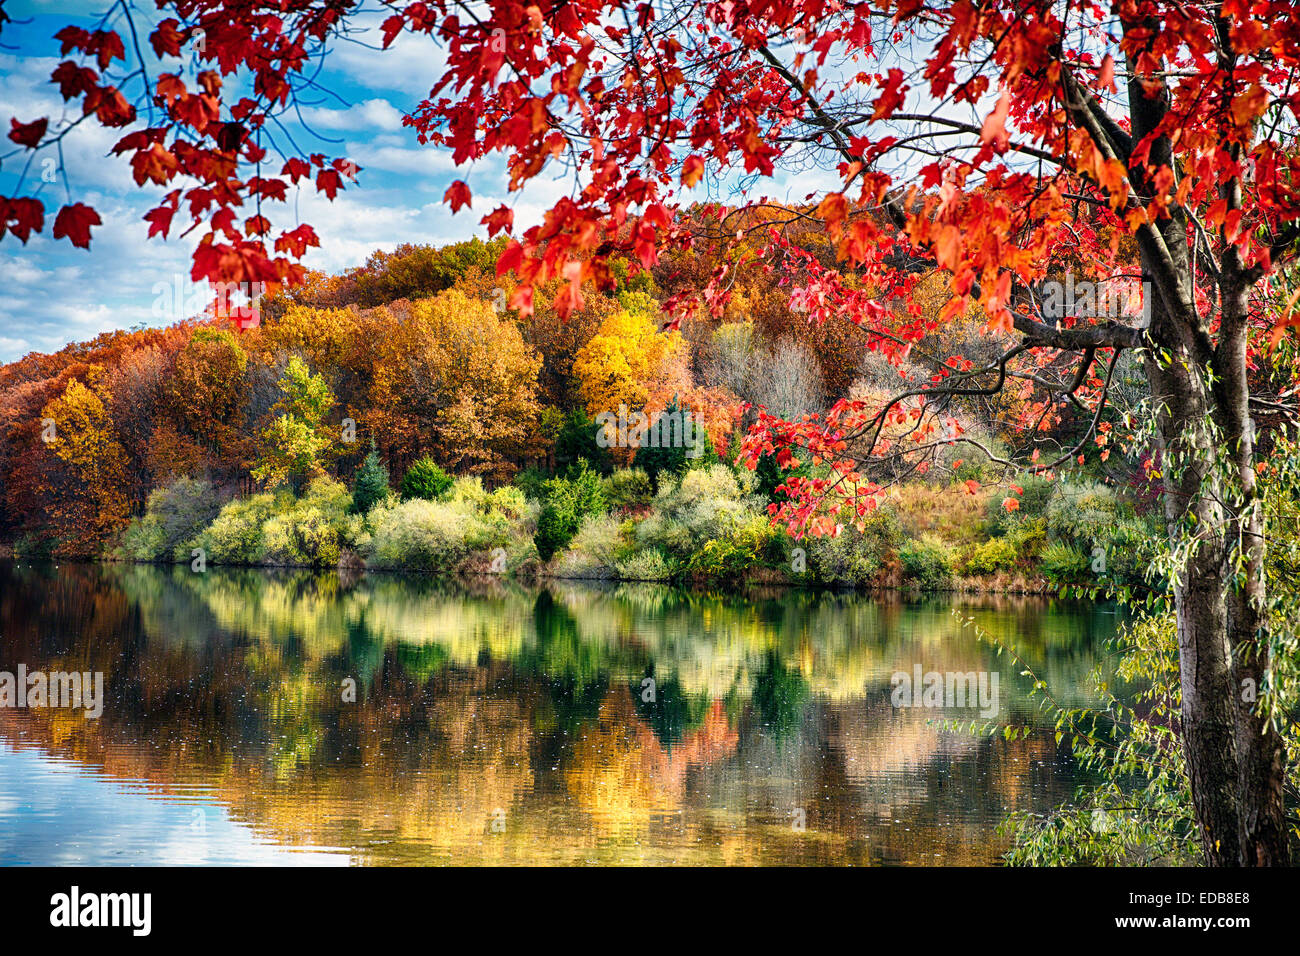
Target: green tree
<point>779,694</point>
<point>577,442</point>
<point>770,476</point>
<point>667,446</point>
<point>370,484</point>
<point>568,501</point>
<point>297,445</point>
<point>424,479</point>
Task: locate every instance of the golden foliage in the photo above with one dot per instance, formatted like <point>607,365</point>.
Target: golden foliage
<point>454,379</point>
<point>87,494</point>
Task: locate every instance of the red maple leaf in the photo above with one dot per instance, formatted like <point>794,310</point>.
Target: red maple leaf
<point>28,134</point>
<point>692,171</point>
<point>74,222</point>
<point>22,217</point>
<point>457,194</point>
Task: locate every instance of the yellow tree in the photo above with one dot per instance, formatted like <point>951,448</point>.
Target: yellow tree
<point>626,360</point>
<point>629,364</point>
<point>87,489</point>
<point>326,338</point>
<point>454,379</point>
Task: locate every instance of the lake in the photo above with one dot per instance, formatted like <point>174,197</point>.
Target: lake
<point>290,717</point>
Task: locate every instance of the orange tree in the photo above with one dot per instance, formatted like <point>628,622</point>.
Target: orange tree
<point>455,380</point>
<point>991,139</point>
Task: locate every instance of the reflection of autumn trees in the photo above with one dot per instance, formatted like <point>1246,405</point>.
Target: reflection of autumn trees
<point>230,683</point>
<point>621,772</point>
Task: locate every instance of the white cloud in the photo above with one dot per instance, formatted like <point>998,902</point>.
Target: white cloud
<point>411,65</point>
<point>369,114</point>
<point>420,161</point>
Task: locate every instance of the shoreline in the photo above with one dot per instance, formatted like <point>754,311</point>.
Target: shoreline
<point>1000,584</point>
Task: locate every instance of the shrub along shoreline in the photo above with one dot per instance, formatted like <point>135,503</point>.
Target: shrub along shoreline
<point>703,524</point>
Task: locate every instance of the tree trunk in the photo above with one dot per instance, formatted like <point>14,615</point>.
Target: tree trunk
<point>1209,717</point>
<point>1200,396</point>
<point>1261,756</point>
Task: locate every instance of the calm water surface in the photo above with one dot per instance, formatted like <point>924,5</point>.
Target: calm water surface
<point>501,725</point>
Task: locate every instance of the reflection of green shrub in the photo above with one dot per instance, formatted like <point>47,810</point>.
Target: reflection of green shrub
<point>779,694</point>
<point>174,516</point>
<point>424,479</point>
<point>421,662</point>
<point>927,562</point>
<point>672,711</point>
<point>992,556</point>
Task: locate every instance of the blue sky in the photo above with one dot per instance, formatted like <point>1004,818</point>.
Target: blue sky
<point>52,294</point>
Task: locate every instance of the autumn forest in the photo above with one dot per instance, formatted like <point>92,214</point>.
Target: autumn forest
<point>748,359</point>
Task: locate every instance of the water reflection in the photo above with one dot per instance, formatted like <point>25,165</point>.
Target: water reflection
<point>496,724</point>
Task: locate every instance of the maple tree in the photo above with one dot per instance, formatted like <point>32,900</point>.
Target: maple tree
<point>454,377</point>
<point>747,286</point>
<point>999,143</point>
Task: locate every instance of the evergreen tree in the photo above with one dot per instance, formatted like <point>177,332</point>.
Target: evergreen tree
<point>577,441</point>
<point>425,479</point>
<point>370,485</point>
<point>667,446</point>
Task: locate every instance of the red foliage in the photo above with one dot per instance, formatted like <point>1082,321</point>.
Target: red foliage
<point>1031,164</point>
